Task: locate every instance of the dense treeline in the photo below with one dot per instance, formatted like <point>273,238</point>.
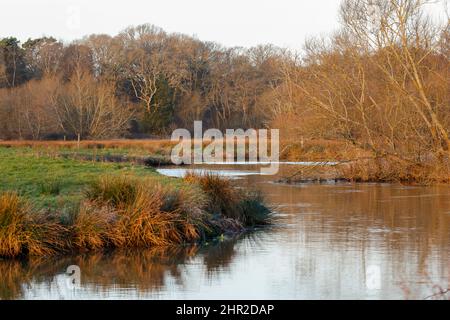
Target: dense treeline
<point>381,83</point>
<point>142,81</point>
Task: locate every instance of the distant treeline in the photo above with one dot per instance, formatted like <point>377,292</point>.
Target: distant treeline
<point>142,81</point>
<point>380,83</point>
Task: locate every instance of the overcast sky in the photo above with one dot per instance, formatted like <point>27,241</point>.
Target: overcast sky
<point>286,23</point>
<point>231,22</point>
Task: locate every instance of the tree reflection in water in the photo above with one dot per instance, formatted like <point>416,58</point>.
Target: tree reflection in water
<point>143,270</point>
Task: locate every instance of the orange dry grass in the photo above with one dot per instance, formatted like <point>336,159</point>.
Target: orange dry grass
<point>319,150</point>
<point>147,214</point>
<point>396,170</point>
<point>143,224</point>
<point>22,231</point>
<point>236,208</point>
<point>12,219</point>
<point>91,144</point>
<point>223,197</point>
<point>91,227</point>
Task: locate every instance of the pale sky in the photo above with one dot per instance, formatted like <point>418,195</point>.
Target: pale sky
<point>286,23</point>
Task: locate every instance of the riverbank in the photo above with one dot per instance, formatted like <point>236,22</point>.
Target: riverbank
<point>54,205</point>
<point>341,161</point>
<point>335,160</point>
<point>371,170</point>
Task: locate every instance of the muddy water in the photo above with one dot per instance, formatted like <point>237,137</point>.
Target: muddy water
<point>330,241</point>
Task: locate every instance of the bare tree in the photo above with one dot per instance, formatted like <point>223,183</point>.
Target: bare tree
<point>88,109</point>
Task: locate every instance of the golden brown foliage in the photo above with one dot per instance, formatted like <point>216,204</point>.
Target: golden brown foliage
<point>380,85</point>
<point>23,231</point>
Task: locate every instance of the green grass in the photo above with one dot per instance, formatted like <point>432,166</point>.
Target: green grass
<point>52,205</point>
<point>54,181</point>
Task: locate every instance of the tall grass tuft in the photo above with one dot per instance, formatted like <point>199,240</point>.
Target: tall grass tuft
<point>46,235</point>
<point>13,236</point>
<point>246,208</point>
<point>222,196</point>
<point>91,226</point>
<point>114,190</point>
<point>254,211</point>
<point>25,232</point>
<point>190,205</point>
<point>50,187</point>
<point>147,214</point>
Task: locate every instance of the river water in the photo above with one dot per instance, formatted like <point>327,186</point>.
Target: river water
<point>330,241</point>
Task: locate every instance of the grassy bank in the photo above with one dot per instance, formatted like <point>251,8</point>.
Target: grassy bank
<point>55,205</point>
<point>52,181</point>
<point>142,152</point>
<point>356,164</point>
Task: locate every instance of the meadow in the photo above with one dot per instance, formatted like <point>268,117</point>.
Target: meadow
<point>52,203</point>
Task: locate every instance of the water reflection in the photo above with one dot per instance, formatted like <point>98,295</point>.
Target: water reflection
<point>180,172</point>
<point>119,270</point>
<point>332,241</point>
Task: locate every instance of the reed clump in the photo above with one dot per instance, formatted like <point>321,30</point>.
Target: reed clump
<point>91,227</point>
<point>224,200</point>
<point>397,171</point>
<point>145,213</point>
<point>25,232</point>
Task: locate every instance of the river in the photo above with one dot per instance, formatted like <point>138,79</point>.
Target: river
<point>329,241</point>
